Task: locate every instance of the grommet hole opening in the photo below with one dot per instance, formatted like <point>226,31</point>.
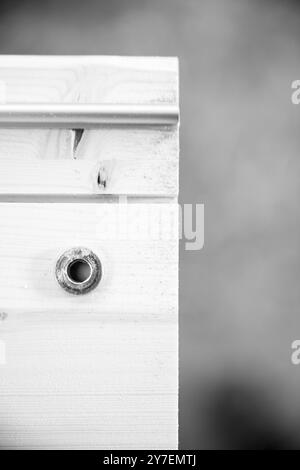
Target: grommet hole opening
<point>79,271</point>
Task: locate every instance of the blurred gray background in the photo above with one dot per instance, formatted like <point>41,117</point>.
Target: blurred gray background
<point>240,143</point>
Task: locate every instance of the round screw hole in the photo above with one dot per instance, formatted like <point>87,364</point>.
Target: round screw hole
<point>79,271</point>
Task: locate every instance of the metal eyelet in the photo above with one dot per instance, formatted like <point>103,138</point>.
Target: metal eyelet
<point>78,270</point>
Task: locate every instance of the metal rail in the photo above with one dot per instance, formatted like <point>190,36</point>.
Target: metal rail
<point>81,116</point>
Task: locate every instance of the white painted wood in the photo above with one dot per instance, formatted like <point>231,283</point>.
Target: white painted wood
<point>89,79</point>
<point>107,80</point>
<point>137,161</point>
<point>94,371</point>
<point>35,144</point>
<point>132,162</point>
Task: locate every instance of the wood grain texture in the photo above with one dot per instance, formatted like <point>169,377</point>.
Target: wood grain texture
<point>95,371</point>
<point>145,160</point>
<point>130,162</point>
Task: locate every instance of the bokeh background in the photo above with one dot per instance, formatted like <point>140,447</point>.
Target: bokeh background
<point>240,143</point>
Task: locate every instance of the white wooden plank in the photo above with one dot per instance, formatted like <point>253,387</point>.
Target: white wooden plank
<point>126,161</point>
<point>114,80</point>
<point>93,371</point>
<point>81,177</point>
<point>53,426</point>
<point>36,144</point>
<point>90,79</point>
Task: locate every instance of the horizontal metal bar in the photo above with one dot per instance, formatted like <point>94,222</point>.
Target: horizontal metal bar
<point>81,116</point>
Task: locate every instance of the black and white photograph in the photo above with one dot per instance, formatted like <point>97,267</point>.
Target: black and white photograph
<point>149,228</point>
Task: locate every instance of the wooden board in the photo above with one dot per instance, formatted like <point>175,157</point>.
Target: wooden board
<point>144,160</point>
<point>94,371</point>
<point>132,162</point>
<point>97,370</point>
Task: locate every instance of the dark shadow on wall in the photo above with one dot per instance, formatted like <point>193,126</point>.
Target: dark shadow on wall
<point>240,415</point>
